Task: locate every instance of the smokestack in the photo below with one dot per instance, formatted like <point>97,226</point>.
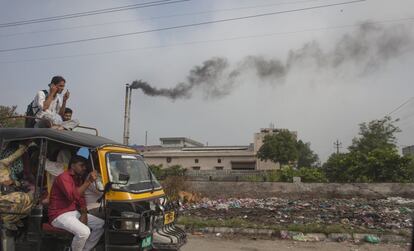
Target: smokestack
<point>126,116</point>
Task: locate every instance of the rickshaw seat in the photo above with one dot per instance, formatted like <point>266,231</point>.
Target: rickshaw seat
<point>51,229</point>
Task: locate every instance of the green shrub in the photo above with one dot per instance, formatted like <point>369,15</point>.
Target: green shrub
<point>163,173</point>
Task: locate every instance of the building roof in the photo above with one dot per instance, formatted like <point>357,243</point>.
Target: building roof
<point>67,137</point>
<point>215,148</point>
<point>191,141</point>
<point>206,151</point>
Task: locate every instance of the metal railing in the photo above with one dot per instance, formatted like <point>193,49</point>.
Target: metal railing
<point>227,175</point>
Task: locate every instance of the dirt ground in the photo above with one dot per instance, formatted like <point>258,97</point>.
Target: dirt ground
<point>212,243</point>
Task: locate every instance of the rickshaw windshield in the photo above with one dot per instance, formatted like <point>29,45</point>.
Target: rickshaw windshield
<point>140,178</point>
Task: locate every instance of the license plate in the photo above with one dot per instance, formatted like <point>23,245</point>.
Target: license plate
<point>169,218</point>
<point>147,242</point>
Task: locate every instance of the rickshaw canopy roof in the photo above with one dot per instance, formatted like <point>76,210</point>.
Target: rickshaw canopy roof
<point>66,137</point>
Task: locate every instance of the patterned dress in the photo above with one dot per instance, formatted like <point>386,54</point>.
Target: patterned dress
<point>14,205</point>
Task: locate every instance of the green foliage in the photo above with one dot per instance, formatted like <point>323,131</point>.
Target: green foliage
<point>372,157</point>
<point>377,134</point>
<point>163,173</point>
<point>279,148</point>
<point>286,174</point>
<point>283,148</point>
<point>338,168</point>
<point>10,111</point>
<point>156,170</point>
<point>195,222</point>
<point>306,157</point>
<point>173,185</point>
<point>307,174</point>
<point>310,174</point>
<point>172,179</point>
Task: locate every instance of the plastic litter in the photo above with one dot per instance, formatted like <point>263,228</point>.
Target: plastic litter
<point>372,239</point>
<point>299,237</point>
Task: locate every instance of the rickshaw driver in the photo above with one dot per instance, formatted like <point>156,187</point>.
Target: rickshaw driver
<point>67,208</point>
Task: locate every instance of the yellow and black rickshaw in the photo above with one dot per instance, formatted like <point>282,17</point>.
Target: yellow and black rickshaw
<point>133,203</point>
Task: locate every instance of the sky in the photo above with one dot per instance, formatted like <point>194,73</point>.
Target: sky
<point>319,72</point>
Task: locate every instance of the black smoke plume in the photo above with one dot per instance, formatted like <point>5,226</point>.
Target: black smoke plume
<point>368,47</point>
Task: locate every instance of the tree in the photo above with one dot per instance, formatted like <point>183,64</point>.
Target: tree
<point>10,111</point>
<point>341,167</point>
<point>306,157</point>
<point>372,157</point>
<point>374,135</point>
<point>279,148</point>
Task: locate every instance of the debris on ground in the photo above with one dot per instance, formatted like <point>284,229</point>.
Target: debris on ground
<point>372,239</point>
<point>393,213</point>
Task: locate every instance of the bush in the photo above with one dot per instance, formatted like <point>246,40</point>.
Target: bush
<point>286,174</point>
<point>172,179</point>
<point>311,174</point>
<point>163,173</point>
<point>307,174</point>
<point>172,186</point>
<point>156,170</point>
<point>378,165</point>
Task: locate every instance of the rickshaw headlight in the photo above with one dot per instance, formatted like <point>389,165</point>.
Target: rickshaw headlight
<point>132,224</point>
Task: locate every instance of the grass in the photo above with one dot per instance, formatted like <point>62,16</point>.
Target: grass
<point>198,222</point>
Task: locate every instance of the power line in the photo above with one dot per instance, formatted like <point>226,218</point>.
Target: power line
<point>205,41</point>
<point>157,17</point>
<point>400,106</point>
<point>90,13</point>
<point>178,26</point>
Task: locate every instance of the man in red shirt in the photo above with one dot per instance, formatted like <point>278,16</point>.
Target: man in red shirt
<point>67,206</point>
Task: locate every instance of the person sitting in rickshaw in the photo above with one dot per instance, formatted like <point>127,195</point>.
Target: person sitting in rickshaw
<point>13,198</point>
<point>67,207</point>
<point>49,107</point>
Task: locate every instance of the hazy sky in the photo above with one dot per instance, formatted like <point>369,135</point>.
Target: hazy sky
<point>321,99</point>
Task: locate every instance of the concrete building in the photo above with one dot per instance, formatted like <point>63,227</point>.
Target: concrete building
<point>194,155</point>
<point>179,142</point>
<point>408,150</point>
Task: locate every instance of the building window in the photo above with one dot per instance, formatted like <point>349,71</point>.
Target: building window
<point>243,165</point>
<point>168,159</point>
<point>196,168</point>
<point>219,168</point>
<point>196,161</point>
<point>218,160</point>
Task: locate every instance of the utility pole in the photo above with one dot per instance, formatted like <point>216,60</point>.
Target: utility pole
<point>337,145</point>
<point>146,138</point>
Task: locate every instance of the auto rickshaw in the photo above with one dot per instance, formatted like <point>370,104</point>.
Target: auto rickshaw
<point>136,213</point>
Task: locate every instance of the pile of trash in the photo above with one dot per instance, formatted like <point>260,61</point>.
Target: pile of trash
<point>390,213</point>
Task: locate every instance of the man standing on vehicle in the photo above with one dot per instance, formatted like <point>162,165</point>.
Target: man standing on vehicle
<point>50,105</point>
<point>67,208</point>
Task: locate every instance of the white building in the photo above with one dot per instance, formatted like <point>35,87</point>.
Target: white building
<point>194,155</point>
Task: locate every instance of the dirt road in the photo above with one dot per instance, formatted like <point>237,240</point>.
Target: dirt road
<point>210,243</point>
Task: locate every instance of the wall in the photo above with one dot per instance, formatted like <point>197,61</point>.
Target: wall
<point>205,162</point>
<point>296,190</point>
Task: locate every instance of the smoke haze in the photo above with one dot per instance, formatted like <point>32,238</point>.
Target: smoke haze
<point>367,48</point>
